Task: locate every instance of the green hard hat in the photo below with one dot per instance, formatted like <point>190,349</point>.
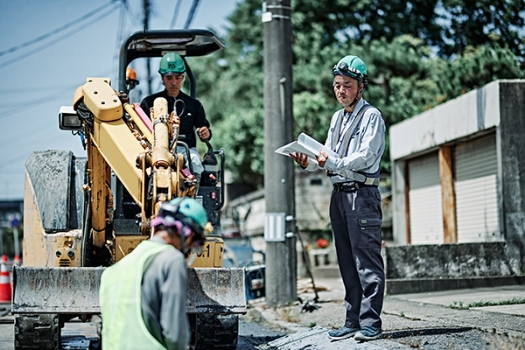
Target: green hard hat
<point>171,63</point>
<point>184,209</point>
<point>353,67</point>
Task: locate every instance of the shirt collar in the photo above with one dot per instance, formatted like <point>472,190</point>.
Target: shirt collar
<point>357,107</point>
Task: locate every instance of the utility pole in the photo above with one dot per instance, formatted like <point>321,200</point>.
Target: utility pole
<point>279,226</point>
<point>145,4</point>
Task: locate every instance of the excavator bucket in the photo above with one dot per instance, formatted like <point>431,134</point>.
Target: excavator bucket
<point>82,212</point>
<point>57,290</point>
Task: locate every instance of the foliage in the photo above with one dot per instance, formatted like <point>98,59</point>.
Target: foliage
<point>8,241</point>
<point>449,25</point>
<point>409,49</point>
<point>311,113</point>
<point>477,67</point>
<point>481,22</point>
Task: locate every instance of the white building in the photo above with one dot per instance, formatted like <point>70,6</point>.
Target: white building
<point>458,176</point>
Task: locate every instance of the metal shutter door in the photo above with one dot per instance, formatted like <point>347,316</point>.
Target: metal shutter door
<point>476,190</point>
<point>426,216</point>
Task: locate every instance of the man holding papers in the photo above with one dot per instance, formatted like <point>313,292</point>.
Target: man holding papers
<point>355,142</point>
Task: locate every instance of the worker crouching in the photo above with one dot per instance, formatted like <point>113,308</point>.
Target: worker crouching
<point>143,296</point>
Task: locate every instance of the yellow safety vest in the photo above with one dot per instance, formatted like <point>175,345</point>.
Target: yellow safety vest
<point>120,301</point>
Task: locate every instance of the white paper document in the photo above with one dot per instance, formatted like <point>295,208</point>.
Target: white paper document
<point>307,145</point>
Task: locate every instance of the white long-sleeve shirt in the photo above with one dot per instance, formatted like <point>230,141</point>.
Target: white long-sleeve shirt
<point>363,155</point>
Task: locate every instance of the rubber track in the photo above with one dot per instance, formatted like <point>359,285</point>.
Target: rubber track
<point>37,331</point>
<point>210,332</point>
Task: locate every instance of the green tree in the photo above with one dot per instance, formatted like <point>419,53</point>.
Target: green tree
<point>477,67</point>
<point>405,77</point>
<point>8,241</point>
<point>496,23</point>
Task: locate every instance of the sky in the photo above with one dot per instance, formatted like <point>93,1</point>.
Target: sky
<point>47,50</point>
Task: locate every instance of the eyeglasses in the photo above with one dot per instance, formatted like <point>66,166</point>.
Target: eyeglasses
<point>346,70</point>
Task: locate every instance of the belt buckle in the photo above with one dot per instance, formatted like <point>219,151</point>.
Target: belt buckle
<point>346,186</point>
<point>351,186</point>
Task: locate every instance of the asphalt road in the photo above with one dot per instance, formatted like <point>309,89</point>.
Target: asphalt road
<point>418,321</point>
<point>256,336</point>
<point>79,336</point>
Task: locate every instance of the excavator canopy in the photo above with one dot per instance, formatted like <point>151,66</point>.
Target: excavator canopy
<point>155,43</point>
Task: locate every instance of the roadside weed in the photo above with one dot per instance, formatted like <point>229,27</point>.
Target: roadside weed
<point>459,305</point>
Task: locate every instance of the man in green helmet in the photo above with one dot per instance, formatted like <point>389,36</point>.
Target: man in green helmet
<point>357,135</point>
<point>143,296</point>
<point>172,69</point>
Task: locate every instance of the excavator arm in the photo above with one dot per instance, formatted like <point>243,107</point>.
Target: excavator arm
<point>120,141</point>
<point>84,213</point>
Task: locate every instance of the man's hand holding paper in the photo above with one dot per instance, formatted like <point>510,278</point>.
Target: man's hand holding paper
<point>300,158</point>
<point>305,150</point>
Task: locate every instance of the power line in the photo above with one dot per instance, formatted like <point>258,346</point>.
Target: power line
<point>48,98</point>
<point>53,32</point>
<point>191,14</point>
<point>32,102</point>
<point>175,14</point>
<point>133,17</point>
<point>16,109</point>
<point>33,128</point>
<point>44,46</point>
<point>37,142</point>
<point>26,89</point>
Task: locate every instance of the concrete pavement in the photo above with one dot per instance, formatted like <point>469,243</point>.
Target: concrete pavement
<point>453,314</point>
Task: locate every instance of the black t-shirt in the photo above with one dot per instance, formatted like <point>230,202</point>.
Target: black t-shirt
<point>192,117</point>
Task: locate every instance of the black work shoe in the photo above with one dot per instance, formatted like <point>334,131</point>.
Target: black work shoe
<point>342,333</point>
<point>368,333</point>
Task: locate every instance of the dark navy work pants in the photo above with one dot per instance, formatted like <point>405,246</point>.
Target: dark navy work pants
<point>356,223</point>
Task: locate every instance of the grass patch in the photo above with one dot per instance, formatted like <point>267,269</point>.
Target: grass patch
<point>461,306</point>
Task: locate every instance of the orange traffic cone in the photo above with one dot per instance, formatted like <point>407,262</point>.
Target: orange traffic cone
<point>5,284</point>
<point>17,260</point>
<point>4,259</point>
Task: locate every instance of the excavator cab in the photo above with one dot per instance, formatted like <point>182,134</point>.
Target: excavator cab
<point>186,43</point>
<point>81,214</point>
<point>155,43</point>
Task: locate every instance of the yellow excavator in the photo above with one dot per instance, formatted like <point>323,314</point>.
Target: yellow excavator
<point>82,214</point>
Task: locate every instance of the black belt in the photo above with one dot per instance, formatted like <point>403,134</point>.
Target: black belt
<point>350,186</point>
<point>347,186</point>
